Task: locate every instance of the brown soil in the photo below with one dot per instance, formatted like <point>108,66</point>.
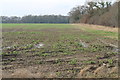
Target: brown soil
<point>26,64</point>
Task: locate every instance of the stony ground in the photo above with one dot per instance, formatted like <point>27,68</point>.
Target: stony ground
<point>59,51</point>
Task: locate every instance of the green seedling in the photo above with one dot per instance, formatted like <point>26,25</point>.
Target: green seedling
<point>58,73</point>
<point>110,61</point>
<point>39,62</point>
<point>73,62</point>
<point>45,54</point>
<point>13,59</point>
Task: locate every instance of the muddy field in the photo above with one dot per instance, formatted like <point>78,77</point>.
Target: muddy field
<point>59,51</point>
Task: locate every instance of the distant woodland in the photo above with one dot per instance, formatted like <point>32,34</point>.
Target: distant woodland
<point>98,13</point>
<point>36,19</point>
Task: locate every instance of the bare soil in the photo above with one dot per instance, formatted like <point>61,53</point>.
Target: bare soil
<point>62,55</point>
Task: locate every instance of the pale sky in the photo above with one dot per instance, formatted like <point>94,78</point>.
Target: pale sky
<point>37,7</point>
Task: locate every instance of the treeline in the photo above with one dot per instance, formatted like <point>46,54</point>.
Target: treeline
<point>100,13</point>
<point>36,19</point>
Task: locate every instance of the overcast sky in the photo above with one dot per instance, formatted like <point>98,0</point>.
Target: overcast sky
<point>37,7</point>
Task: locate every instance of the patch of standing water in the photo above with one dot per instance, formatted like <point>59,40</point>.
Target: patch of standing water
<point>116,50</point>
<point>8,47</point>
<point>39,45</point>
<point>83,44</point>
